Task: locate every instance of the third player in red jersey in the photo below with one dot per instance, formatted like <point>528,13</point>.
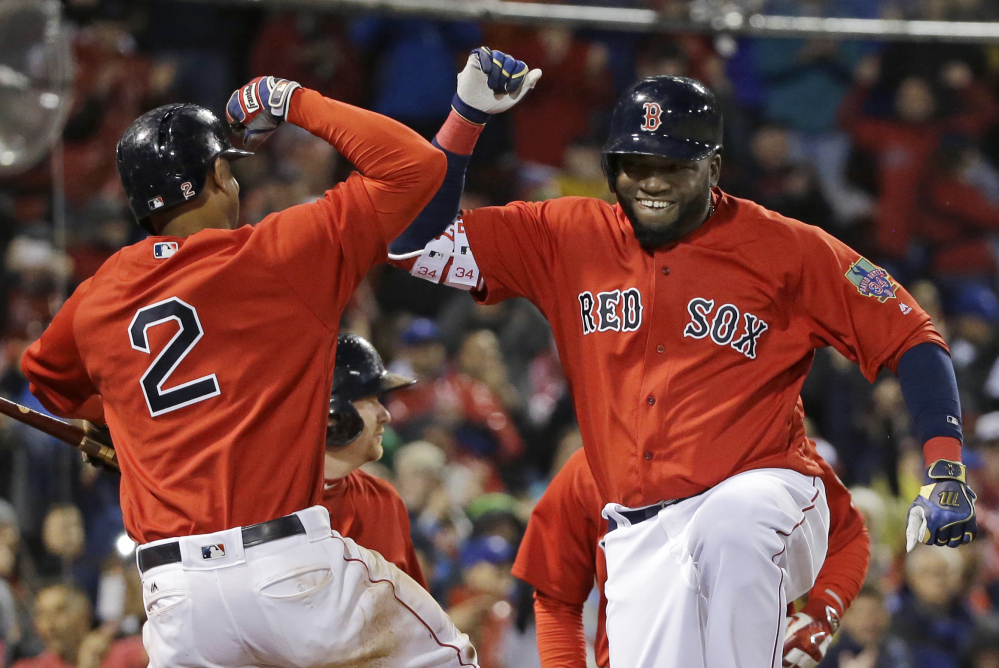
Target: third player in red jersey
<point>561,558</point>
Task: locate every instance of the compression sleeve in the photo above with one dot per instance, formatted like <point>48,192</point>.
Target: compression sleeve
<point>926,375</point>
<point>400,170</point>
<point>456,139</point>
<point>561,642</point>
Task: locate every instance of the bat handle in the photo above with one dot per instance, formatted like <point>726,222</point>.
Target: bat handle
<point>98,450</point>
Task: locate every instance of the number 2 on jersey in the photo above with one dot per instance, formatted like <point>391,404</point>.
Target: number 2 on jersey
<point>158,400</point>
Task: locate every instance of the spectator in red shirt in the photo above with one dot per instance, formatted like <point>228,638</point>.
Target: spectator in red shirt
<point>904,143</point>
<point>577,85</point>
<point>62,618</point>
<point>956,216</point>
<point>446,403</point>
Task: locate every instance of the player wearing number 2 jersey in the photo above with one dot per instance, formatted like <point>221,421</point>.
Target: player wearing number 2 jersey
<point>210,350</point>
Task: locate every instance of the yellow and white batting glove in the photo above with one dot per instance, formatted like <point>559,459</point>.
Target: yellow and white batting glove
<point>809,635</point>
<point>944,511</point>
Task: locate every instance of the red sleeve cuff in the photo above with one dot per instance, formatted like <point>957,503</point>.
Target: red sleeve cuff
<point>942,447</point>
<point>458,135</point>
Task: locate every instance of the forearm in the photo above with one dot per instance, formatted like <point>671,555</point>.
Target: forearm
<point>843,573</point>
<point>926,376</point>
<point>456,139</point>
<point>401,171</point>
<point>561,642</point>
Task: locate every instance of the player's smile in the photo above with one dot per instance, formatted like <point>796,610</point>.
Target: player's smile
<point>665,198</point>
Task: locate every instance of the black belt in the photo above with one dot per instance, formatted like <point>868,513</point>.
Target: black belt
<point>646,513</point>
<point>255,534</point>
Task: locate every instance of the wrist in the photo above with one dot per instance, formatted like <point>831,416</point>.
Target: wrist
<point>468,112</point>
<point>942,447</point>
<point>826,612</point>
<point>295,114</point>
<point>458,135</point>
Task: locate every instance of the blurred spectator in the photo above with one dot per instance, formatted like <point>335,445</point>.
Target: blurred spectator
<point>521,331</point>
<point>10,536</point>
<point>62,617</point>
<point>905,141</point>
<point>63,536</point>
<point>480,359</point>
<point>460,412</point>
<point>863,642</point>
<point>312,49</point>
<point>983,650</point>
<point>577,86</point>
<point>974,346</point>
<point>959,212</point>
<point>777,182</point>
<point>804,82</point>
<point>480,605</point>
<point>581,176</point>
<point>930,616</point>
<point>397,48</point>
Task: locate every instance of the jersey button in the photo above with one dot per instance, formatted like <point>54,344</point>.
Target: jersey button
<point>651,400</point>
<point>660,349</point>
<point>665,271</point>
<point>648,455</point>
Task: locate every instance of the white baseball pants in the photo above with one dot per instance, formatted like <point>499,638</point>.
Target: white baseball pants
<point>300,602</point>
<point>705,583</point>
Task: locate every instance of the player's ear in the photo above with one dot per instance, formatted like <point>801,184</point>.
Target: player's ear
<point>221,176</point>
<point>714,169</point>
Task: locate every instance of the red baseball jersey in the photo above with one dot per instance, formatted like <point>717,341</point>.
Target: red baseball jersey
<point>370,512</point>
<point>213,354</point>
<point>560,557</point>
<point>686,363</point>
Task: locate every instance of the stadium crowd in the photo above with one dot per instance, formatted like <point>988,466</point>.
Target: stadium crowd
<point>893,147</point>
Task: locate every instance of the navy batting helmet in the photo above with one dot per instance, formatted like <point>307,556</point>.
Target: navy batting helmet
<point>358,373</point>
<point>165,154</point>
<point>675,117</point>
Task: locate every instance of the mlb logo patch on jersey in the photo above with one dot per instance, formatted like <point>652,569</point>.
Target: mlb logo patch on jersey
<point>871,280</point>
<point>155,203</point>
<point>213,551</point>
<point>164,249</point>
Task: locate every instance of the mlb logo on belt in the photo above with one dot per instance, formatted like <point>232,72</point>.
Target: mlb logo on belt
<point>155,202</point>
<point>213,551</point>
<point>164,249</point>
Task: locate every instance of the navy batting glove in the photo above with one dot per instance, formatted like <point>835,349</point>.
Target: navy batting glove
<point>944,511</point>
<point>491,83</point>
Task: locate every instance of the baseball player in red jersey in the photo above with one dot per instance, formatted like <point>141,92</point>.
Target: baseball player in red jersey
<point>361,506</point>
<point>560,557</point>
<point>686,321</point>
<point>209,349</point>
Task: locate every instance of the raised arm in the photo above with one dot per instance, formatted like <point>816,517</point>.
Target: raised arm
<point>399,170</point>
<point>491,82</point>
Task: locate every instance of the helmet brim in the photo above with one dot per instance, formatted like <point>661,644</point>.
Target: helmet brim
<point>394,381</point>
<point>231,154</point>
<point>666,146</point>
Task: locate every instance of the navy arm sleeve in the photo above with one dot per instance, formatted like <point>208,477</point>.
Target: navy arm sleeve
<point>926,375</point>
<point>441,210</point>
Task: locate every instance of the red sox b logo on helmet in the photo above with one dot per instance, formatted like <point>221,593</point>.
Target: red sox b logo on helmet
<point>653,113</point>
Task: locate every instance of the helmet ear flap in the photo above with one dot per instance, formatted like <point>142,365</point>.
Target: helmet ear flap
<point>345,423</point>
<point>609,165</point>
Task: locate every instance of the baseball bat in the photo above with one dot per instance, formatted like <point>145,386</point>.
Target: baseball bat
<point>88,439</point>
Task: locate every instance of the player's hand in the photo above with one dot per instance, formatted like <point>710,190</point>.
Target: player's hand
<point>258,108</point>
<point>944,511</point>
<point>808,638</point>
<point>492,81</point>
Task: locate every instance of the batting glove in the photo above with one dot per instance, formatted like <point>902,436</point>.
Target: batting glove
<point>944,511</point>
<point>491,83</point>
<point>258,108</point>
<point>808,638</point>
